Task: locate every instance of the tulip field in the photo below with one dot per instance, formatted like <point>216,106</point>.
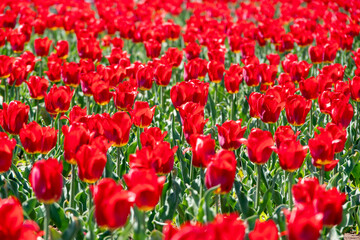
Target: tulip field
<point>179,119</point>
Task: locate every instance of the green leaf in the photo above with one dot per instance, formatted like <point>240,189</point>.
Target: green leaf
<point>57,215</point>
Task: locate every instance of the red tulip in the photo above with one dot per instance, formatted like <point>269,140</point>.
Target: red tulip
<point>192,69</point>
<point>74,137</point>
<point>118,129</point>
<point>233,78</point>
<point>260,145</point>
<point>303,223</point>
<point>291,154</point>
<point>37,87</point>
<point>269,108</point>
<point>322,148</point>
<point>146,186</point>
<point>62,49</point>
<point>230,133</point>
<point>10,208</point>
<point>203,149</point>
<point>5,65</point>
<point>101,92</point>
<point>192,51</point>
<point>108,197</point>
<point>297,108</point>
<point>30,60</point>
<point>173,57</point>
<point>117,42</point>
<point>192,125</point>
<point>124,96</point>
<point>37,139</point>
<point>18,73</point>
<point>334,71</point>
<point>342,113</point>
<point>267,74</point>
<point>76,114</point>
<point>46,180</point>
<point>299,70</point>
<point>253,104</point>
<point>7,147</point>
<point>336,132</point>
<point>225,226</point>
<point>151,137</point>
<point>17,41</point>
<point>264,230</point>
<point>152,48</point>
<point>355,88</point>
<point>89,48</point>
<point>250,74</point>
<point>221,171</point>
<point>316,54</point>
<point>145,77</point>
<point>160,158</point>
<point>189,109</point>
<point>70,73</point>
<point>330,50</point>
<point>162,74</point>
<point>189,91</point>
<point>54,71</point>
<point>274,59</point>
<point>216,71</point>
<point>13,116</point>
<point>42,46</point>
<point>284,133</point>
<point>309,88</point>
<point>142,114</point>
<point>91,162</point>
<point>235,43</point>
<point>58,99</point>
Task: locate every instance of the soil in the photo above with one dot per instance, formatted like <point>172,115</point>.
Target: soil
<point>349,236</point>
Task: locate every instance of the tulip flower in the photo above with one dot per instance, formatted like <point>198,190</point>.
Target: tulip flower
<point>46,180</point>
<point>203,149</point>
<point>62,49</point>
<point>146,186</point>
<point>173,56</point>
<point>108,196</point>
<point>233,78</point>
<point>70,73</point>
<point>5,66</point>
<point>260,145</point>
<point>289,59</point>
<point>284,133</point>
<point>124,96</point>
<point>30,60</point>
<point>297,108</point>
<point>151,137</point>
<point>18,73</point>
<point>54,71</point>
<point>37,139</point>
<point>267,74</point>
<point>299,70</point>
<point>162,75</point>
<point>192,69</point>
<point>145,77</point>
<point>269,108</point>
<point>316,54</point>
<point>17,41</point>
<point>160,158</point>
<point>74,137</point>
<point>76,114</point>
<point>322,148</point>
<point>230,133</point>
<point>37,87</point>
<point>264,230</point>
<point>42,46</point>
<point>221,171</point>
<point>152,48</point>
<point>7,147</point>
<point>101,92</point>
<point>253,104</point>
<point>250,74</point>
<point>192,51</point>
<point>330,50</point>
<point>273,58</point>
<point>291,154</point>
<point>10,208</point>
<point>89,48</point>
<point>91,163</point>
<point>189,91</point>
<point>309,88</point>
<point>58,99</point>
<point>117,130</point>
<point>355,88</point>
<point>216,71</point>
<point>142,114</point>
<point>342,113</point>
<point>303,223</point>
<point>13,116</point>
<point>336,132</point>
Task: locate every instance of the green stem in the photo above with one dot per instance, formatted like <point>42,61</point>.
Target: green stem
<point>118,169</point>
<point>217,201</point>
<point>291,176</point>
<point>88,110</point>
<point>233,107</point>
<point>59,128</point>
<point>322,174</point>
<point>162,98</point>
<point>202,177</point>
<point>41,66</point>
<point>311,116</point>
<point>37,104</point>
<point>139,131</point>
<point>6,91</point>
<point>257,196</point>
<point>47,221</point>
<point>72,186</point>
